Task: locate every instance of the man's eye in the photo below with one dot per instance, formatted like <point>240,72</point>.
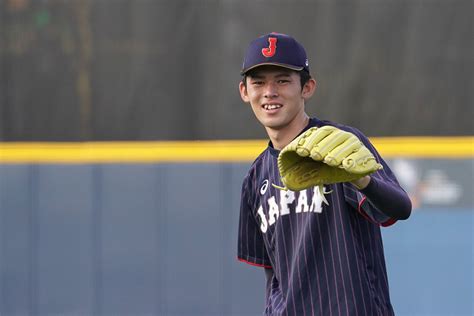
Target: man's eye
<point>258,83</point>
<point>283,81</point>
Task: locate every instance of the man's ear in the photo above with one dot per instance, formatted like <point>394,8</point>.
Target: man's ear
<point>243,92</point>
<point>309,88</point>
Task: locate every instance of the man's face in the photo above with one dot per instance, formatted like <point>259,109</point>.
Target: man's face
<point>276,95</point>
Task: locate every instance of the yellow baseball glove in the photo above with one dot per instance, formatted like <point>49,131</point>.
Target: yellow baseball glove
<point>324,155</point>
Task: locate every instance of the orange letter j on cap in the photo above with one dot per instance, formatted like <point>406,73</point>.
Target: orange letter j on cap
<point>271,49</point>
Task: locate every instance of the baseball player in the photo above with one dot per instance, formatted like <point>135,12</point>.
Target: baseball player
<point>314,200</point>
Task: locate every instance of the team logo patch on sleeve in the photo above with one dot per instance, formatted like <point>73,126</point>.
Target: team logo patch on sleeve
<point>271,49</point>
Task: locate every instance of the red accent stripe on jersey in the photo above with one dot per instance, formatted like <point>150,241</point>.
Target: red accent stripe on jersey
<point>362,212</point>
<point>254,264</point>
<point>389,222</point>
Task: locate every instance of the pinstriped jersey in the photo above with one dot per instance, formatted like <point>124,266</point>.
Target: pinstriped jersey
<point>325,248</point>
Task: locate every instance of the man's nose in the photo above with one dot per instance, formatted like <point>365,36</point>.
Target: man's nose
<point>271,91</point>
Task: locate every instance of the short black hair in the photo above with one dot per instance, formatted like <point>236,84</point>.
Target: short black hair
<point>305,76</point>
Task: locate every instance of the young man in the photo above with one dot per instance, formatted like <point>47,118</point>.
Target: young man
<point>321,249</point>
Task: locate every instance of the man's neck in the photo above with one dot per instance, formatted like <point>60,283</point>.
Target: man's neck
<point>282,137</point>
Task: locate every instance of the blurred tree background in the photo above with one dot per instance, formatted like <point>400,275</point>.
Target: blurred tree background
<point>80,70</point>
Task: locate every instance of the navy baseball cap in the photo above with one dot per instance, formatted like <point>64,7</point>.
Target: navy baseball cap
<point>275,49</point>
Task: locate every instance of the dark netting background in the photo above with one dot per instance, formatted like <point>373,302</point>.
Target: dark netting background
<point>73,70</point>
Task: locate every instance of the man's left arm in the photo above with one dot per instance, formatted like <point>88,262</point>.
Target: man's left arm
<point>386,196</point>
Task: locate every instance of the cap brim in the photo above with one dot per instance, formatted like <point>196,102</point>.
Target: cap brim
<point>244,71</point>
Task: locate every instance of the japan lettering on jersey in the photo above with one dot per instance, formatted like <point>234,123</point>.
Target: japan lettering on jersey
<point>307,201</point>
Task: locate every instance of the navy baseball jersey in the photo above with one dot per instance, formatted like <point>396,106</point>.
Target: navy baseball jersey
<point>325,248</point>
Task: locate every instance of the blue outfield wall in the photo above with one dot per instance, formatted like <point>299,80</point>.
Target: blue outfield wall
<point>160,239</point>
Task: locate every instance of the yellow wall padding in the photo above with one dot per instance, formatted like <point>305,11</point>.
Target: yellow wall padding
<point>210,151</point>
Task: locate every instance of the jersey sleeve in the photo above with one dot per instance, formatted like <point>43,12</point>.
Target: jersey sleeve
<point>365,207</point>
<point>383,189</point>
<point>251,246</point>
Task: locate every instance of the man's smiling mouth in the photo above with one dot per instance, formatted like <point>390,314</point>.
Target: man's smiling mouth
<point>271,106</point>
